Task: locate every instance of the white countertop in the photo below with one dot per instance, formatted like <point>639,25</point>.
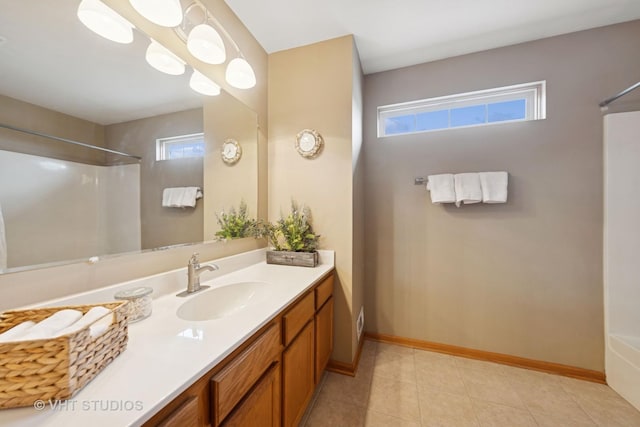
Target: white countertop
<point>166,354</point>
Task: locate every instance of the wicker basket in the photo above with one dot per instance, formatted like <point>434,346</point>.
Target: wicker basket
<point>56,368</point>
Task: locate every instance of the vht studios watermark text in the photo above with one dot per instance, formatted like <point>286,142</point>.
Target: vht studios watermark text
<point>89,405</point>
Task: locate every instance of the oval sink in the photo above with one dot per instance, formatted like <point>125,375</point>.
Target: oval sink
<point>224,301</point>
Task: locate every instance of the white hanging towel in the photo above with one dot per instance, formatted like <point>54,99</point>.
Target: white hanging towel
<point>494,186</point>
<point>181,197</point>
<point>468,188</point>
<point>441,188</point>
<point>3,244</point>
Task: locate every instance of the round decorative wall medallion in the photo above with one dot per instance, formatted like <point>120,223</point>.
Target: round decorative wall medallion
<point>309,143</point>
<point>231,151</point>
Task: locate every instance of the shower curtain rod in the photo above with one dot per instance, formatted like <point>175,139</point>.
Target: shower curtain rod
<point>69,141</point>
<point>621,94</point>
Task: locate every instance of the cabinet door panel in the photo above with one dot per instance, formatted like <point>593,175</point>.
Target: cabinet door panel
<point>324,337</point>
<point>261,407</point>
<point>298,376</point>
<point>186,414</point>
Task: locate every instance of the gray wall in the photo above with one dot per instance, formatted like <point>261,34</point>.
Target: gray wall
<point>163,226</point>
<point>523,278</point>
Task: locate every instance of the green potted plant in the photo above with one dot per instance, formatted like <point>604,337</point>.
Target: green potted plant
<point>235,224</point>
<point>292,238</point>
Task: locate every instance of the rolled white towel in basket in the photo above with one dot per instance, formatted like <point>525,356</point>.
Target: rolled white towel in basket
<point>50,326</point>
<point>15,332</point>
<point>468,188</point>
<point>91,316</point>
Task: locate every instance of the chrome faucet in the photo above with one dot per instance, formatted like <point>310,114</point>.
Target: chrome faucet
<point>193,275</point>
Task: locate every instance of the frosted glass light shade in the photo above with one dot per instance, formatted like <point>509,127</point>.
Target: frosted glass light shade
<point>202,84</point>
<point>104,21</point>
<point>205,43</point>
<point>167,13</point>
<point>162,59</point>
<point>240,75</point>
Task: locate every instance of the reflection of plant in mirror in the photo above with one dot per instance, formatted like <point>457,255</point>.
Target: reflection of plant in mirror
<point>234,224</point>
<point>291,233</point>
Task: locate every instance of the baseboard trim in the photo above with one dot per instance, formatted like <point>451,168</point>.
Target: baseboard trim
<point>505,359</point>
<point>347,368</point>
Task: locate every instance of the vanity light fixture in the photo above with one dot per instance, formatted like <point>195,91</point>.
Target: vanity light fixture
<point>205,43</point>
<point>166,13</point>
<point>162,59</point>
<point>203,84</point>
<point>204,36</point>
<point>239,74</point>
<point>104,21</point>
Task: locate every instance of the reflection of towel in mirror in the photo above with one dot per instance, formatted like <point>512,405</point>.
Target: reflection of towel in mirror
<point>181,197</point>
<point>3,244</point>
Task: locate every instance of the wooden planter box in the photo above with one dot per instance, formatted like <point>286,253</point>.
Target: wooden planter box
<point>302,259</point>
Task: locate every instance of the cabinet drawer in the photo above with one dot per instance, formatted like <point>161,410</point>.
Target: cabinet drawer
<point>230,385</point>
<point>324,291</point>
<point>298,316</point>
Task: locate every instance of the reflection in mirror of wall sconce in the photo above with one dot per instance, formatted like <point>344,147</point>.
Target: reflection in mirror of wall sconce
<point>104,21</point>
<point>202,84</point>
<point>192,26</point>
<point>162,59</point>
<point>166,13</point>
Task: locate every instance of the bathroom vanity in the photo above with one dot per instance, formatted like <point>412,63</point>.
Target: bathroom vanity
<point>256,361</point>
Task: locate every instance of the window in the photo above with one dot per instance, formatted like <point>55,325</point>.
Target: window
<point>180,147</point>
<point>505,104</point>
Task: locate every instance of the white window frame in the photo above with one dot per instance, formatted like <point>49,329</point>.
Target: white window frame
<point>163,143</point>
<point>534,93</point>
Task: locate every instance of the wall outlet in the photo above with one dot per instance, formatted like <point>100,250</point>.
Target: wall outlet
<point>360,323</point>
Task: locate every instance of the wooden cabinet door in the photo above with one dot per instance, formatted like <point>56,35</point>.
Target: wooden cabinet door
<point>261,407</point>
<point>324,337</point>
<point>187,414</point>
<point>298,376</point>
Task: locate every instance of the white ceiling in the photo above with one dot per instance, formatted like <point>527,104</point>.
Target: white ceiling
<point>396,33</point>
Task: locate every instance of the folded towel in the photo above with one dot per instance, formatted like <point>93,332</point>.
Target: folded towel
<point>441,188</point>
<point>15,332</point>
<point>494,186</point>
<point>468,188</point>
<point>50,326</point>
<point>181,197</point>
<point>90,317</point>
<point>3,244</point>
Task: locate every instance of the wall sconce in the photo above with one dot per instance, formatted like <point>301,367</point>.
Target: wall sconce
<point>198,31</point>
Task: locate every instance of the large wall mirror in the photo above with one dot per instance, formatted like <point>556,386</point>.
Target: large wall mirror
<point>61,202</point>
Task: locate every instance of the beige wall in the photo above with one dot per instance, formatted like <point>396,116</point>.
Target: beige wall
<point>311,87</point>
<point>523,278</point>
<point>22,288</point>
<point>28,116</point>
<point>226,185</point>
<point>162,226</point>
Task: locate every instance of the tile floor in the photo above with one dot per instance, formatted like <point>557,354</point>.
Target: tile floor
<point>399,386</point>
